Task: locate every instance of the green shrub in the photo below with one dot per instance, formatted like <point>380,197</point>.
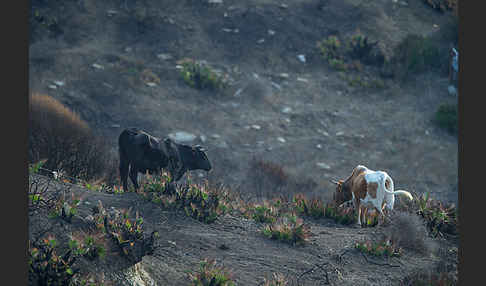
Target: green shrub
<point>417,54</point>
<point>210,274</point>
<point>201,76</point>
<point>446,117</point>
<point>386,248</point>
<point>440,218</point>
<point>46,267</point>
<point>66,141</point>
<point>199,201</point>
<point>289,229</point>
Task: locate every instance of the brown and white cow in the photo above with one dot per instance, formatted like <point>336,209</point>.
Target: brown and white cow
<point>368,188</point>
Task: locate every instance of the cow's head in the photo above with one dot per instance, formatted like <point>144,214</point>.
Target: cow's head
<point>199,159</point>
<point>194,157</point>
<point>343,193</point>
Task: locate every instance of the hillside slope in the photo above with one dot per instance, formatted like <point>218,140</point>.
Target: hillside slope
<point>328,258</point>
<point>310,120</point>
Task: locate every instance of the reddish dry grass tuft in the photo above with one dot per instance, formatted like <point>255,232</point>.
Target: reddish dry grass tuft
<point>66,141</point>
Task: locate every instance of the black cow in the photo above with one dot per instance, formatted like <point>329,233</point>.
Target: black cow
<point>186,158</point>
<point>142,152</point>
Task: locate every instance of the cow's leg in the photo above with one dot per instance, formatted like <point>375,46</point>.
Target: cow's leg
<point>124,166</point>
<point>133,177</point>
<point>358,208</point>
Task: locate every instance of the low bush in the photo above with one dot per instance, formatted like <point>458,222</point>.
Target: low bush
<point>417,54</point>
<point>210,274</point>
<point>126,232</point>
<point>46,267</point>
<point>386,247</point>
<point>201,76</point>
<point>65,140</point>
<point>446,117</point>
<point>289,229</point>
<point>199,201</point>
<point>440,219</point>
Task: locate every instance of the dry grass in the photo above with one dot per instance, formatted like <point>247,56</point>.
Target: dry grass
<point>66,141</point>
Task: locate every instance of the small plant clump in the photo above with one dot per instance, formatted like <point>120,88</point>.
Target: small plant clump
<point>385,248</point>
<point>440,218</point>
<point>201,76</point>
<point>446,117</point>
<point>278,279</point>
<point>289,229</point>
<point>268,212</point>
<point>88,247</point>
<point>46,267</point>
<point>210,274</point>
<point>199,201</point>
<point>66,209</point>
<point>126,232</point>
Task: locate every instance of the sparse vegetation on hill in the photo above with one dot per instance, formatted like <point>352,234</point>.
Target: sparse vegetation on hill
<point>292,116</point>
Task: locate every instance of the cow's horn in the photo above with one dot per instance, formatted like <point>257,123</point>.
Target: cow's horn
<point>334,181</point>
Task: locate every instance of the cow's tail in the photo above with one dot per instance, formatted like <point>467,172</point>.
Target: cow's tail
<point>397,192</point>
<point>405,193</point>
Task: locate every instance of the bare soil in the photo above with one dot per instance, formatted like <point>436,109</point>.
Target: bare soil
<point>388,128</point>
<point>328,258</point>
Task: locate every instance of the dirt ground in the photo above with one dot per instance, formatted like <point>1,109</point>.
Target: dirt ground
<point>329,257</point>
<point>102,52</point>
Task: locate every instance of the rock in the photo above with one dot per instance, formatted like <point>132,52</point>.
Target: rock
<point>151,84</point>
<point>281,139</point>
<point>284,6</point>
<point>97,66</point>
<point>276,85</point>
<point>287,110</point>
<point>58,83</point>
<point>111,13</point>
<point>302,79</point>
<point>319,146</point>
<point>284,75</point>
<point>215,1</point>
<point>227,30</point>
<point>340,133</point>
<point>271,32</point>
<point>164,57</point>
<point>203,138</point>
<point>261,41</point>
<point>256,127</point>
<point>128,50</point>
<point>301,58</point>
<point>182,137</point>
<point>323,166</point>
<point>238,92</point>
<point>52,86</point>
<point>452,90</point>
<point>221,144</point>
<point>216,136</point>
